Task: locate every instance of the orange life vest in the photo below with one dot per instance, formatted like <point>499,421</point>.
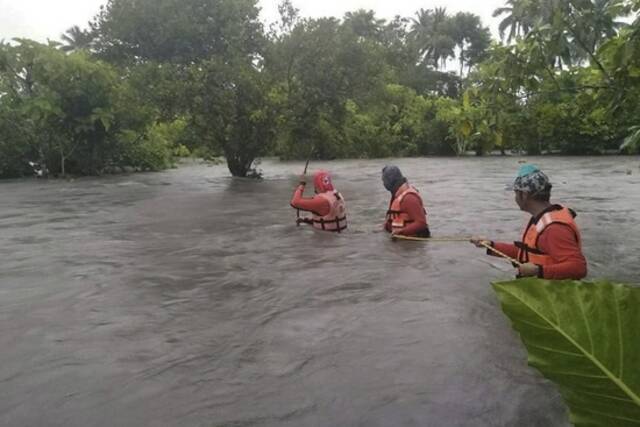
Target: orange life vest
<point>336,219</point>
<point>395,215</point>
<point>528,250</point>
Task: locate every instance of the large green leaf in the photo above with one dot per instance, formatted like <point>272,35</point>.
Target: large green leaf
<point>585,337</point>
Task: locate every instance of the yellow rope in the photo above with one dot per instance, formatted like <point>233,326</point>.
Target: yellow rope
<point>430,239</point>
<point>455,239</point>
<point>502,254</point>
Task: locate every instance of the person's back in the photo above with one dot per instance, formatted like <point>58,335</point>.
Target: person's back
<point>327,207</point>
<point>406,214</point>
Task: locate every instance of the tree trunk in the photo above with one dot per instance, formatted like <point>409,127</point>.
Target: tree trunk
<point>62,161</point>
<point>461,65</point>
<point>237,167</point>
<point>461,146</point>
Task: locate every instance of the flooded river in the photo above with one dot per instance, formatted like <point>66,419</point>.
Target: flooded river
<point>188,298</point>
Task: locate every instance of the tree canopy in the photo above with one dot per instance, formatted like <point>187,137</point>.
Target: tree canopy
<point>147,80</point>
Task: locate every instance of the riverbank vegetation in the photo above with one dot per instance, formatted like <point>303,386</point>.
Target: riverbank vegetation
<point>149,80</point>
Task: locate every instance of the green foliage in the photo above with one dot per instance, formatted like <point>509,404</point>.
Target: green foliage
<point>567,83</point>
<point>472,123</point>
<point>147,152</point>
<point>471,39</point>
<point>431,31</point>
<point>65,112</point>
<point>585,338</point>
<point>154,149</point>
<point>177,31</point>
<point>400,123</point>
<point>632,142</point>
<point>151,77</point>
<point>181,151</point>
<point>76,39</point>
<point>249,129</point>
<point>198,61</point>
<point>320,65</point>
<point>16,143</point>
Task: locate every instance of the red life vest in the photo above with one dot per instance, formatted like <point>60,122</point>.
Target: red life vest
<point>336,219</point>
<point>395,215</point>
<point>528,250</point>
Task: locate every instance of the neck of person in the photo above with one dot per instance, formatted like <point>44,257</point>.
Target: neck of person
<point>537,207</point>
<point>397,187</point>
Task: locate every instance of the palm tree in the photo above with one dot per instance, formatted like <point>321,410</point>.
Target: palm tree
<point>421,29</point>
<point>470,37</point>
<point>443,44</point>
<point>516,20</point>
<point>77,39</point>
<point>421,25</point>
<point>566,32</point>
<point>440,15</point>
<point>598,22</point>
<point>364,23</point>
<point>431,30</point>
<point>524,15</point>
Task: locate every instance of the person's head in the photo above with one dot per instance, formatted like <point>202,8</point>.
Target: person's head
<point>392,178</point>
<point>322,181</point>
<point>532,188</point>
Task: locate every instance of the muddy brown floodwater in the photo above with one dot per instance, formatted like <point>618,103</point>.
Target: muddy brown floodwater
<point>188,298</point>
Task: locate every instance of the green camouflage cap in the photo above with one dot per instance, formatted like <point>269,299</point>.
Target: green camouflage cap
<point>531,180</point>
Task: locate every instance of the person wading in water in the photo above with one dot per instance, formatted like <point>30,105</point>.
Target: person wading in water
<point>551,246</point>
<point>406,215</point>
<point>327,206</point>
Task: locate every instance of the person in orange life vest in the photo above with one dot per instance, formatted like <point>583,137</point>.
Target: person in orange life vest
<point>551,246</point>
<point>406,214</point>
<point>327,207</point>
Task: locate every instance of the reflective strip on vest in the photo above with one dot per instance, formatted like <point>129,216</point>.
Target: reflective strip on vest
<point>528,250</point>
<point>336,219</point>
<point>395,215</point>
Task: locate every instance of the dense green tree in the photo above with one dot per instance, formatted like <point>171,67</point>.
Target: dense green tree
<point>151,79</point>
<point>320,65</point>
<point>68,111</point>
<point>193,59</point>
<point>184,31</point>
<point>232,111</point>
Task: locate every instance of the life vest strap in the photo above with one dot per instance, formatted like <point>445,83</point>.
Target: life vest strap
<point>522,246</point>
<point>331,221</point>
<point>339,227</point>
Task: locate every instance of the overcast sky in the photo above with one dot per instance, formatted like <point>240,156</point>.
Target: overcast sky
<point>42,19</point>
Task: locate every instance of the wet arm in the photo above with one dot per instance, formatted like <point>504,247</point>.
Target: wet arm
<point>316,205</point>
<point>508,249</point>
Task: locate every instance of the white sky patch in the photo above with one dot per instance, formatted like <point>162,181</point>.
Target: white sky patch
<point>42,19</point>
